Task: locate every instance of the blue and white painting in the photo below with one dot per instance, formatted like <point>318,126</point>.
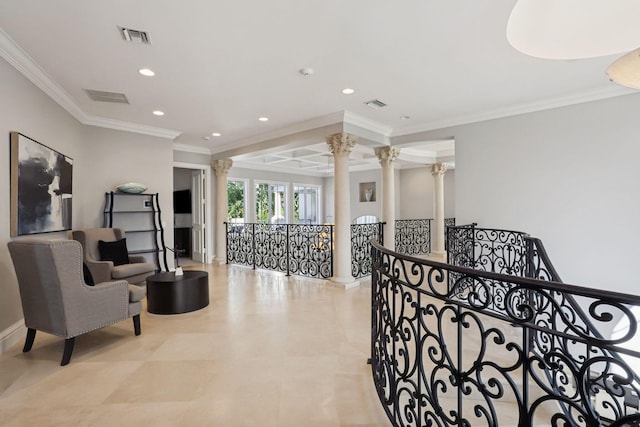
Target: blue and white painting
<point>43,187</point>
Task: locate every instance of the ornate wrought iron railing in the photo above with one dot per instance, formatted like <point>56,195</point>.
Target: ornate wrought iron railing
<point>361,235</point>
<point>458,346</point>
<point>413,236</point>
<point>300,249</point>
<point>516,253</point>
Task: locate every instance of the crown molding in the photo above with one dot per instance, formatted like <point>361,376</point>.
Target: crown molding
<point>130,127</point>
<point>178,146</point>
<point>304,126</point>
<point>563,101</point>
<point>21,61</point>
<point>29,68</point>
<point>368,124</point>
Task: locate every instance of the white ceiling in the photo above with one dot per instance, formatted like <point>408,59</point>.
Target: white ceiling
<point>222,64</point>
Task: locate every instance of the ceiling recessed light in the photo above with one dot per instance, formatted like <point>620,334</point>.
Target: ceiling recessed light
<point>404,117</point>
<point>216,134</point>
<point>206,138</point>
<point>264,119</point>
<point>347,91</point>
<point>158,113</point>
<point>146,72</point>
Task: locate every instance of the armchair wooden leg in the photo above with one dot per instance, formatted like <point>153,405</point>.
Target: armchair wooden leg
<point>31,335</point>
<point>68,349</point>
<point>136,324</point>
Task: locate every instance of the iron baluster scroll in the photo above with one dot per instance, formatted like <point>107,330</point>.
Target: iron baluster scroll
<point>311,250</point>
<point>495,349</point>
<point>240,243</point>
<point>361,235</point>
<point>300,249</point>
<point>413,236</point>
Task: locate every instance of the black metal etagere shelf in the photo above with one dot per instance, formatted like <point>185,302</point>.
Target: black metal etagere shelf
<point>139,216</point>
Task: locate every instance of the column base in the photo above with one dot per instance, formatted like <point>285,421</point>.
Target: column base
<point>220,261</point>
<point>342,282</point>
<point>438,256</point>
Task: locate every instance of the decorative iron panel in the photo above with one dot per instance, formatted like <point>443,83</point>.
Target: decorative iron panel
<point>449,222</point>
<point>453,346</point>
<point>300,249</point>
<point>271,246</point>
<point>361,235</point>
<point>311,250</point>
<point>240,244</point>
<point>413,236</point>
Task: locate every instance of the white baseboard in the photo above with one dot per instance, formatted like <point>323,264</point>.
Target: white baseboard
<point>12,335</point>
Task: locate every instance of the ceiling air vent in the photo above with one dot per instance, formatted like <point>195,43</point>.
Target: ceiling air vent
<point>135,36</point>
<point>376,104</point>
<point>98,95</point>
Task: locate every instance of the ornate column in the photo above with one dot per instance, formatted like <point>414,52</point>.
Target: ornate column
<point>221,168</point>
<point>341,145</point>
<point>387,155</point>
<point>437,252</point>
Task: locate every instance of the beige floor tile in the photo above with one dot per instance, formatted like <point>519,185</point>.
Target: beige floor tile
<point>268,350</point>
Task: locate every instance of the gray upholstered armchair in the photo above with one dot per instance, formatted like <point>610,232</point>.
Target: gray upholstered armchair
<point>135,271</point>
<point>55,298</point>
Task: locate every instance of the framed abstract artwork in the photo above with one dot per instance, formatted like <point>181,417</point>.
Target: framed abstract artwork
<point>41,195</point>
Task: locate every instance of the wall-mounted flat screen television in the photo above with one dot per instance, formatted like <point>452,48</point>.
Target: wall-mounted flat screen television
<point>182,201</point>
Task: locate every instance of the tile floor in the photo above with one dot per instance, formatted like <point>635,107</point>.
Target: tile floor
<point>268,350</point>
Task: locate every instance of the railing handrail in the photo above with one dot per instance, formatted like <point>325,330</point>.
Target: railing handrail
<point>525,281</point>
<point>400,279</point>
<point>544,256</point>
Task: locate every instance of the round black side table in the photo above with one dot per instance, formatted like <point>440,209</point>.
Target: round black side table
<point>171,294</point>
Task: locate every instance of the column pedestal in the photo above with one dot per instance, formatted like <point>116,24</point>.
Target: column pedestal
<point>341,145</point>
<point>438,253</point>
<point>221,168</point>
<point>387,155</point>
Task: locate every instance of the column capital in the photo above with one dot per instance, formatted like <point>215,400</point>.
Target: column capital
<point>341,143</point>
<point>438,169</point>
<point>222,166</point>
<point>387,155</point>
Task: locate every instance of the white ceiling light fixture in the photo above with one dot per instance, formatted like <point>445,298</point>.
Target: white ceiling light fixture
<point>147,72</point>
<point>579,29</point>
<point>626,70</point>
<point>347,91</point>
<point>574,29</point>
<point>263,119</point>
<point>216,134</point>
<point>158,113</point>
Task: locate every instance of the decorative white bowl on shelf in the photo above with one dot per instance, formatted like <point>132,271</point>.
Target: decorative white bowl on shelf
<point>132,188</point>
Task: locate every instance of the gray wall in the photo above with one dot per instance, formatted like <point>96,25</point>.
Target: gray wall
<point>417,196</point>
<point>568,176</point>
<point>102,159</point>
<point>25,109</point>
<point>359,208</point>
